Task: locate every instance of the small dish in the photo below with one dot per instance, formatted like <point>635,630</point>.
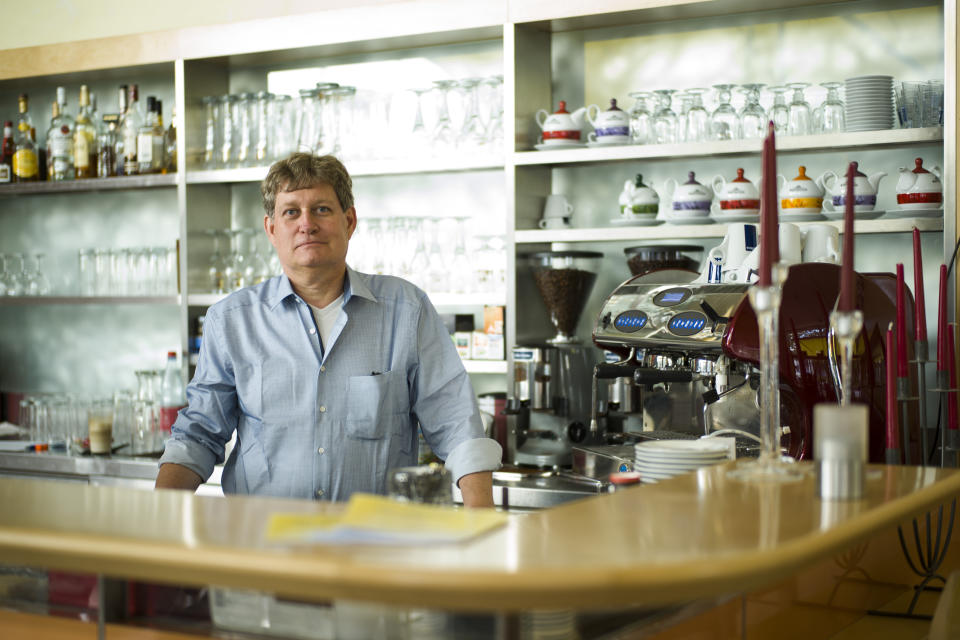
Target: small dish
<point>599,145</point>
<point>635,222</point>
<point>565,145</point>
<point>688,221</point>
<point>913,213</point>
<point>800,216</point>
<point>861,215</point>
<point>735,216</point>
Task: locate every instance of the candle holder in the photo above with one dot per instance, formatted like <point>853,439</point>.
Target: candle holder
<point>846,327</point>
<point>772,464</point>
<point>950,438</point>
<point>922,353</point>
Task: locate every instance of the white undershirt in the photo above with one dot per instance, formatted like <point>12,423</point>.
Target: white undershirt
<point>325,319</point>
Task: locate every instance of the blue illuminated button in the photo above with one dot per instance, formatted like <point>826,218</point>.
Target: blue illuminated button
<point>630,321</point>
<point>688,323</point>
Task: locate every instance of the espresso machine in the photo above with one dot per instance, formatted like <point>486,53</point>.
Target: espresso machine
<point>696,346</point>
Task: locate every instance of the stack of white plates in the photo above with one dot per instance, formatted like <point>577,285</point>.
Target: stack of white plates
<point>869,103</point>
<point>662,459</point>
<point>548,625</point>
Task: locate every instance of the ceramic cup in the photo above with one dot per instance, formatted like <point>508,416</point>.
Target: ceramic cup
<point>821,243</point>
<point>557,206</point>
<point>791,243</point>
<point>740,240</point>
<point>554,223</point>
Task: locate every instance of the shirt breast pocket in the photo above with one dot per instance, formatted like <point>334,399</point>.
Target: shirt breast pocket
<point>376,405</point>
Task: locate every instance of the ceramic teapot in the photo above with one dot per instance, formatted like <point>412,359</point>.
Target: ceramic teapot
<point>561,127</point>
<point>919,188</point>
<point>864,189</point>
<point>637,199</point>
<point>690,199</point>
<point>802,194</point>
<point>739,195</point>
<point>609,127</point>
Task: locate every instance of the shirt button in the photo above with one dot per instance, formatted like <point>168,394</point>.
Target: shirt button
<point>323,409</point>
<point>320,450</point>
<point>322,368</point>
<point>319,492</point>
<point>312,331</point>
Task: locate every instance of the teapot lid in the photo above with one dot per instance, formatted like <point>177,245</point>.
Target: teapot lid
<point>855,167</point>
<point>613,105</point>
<point>562,108</point>
<point>739,177</point>
<point>691,178</point>
<point>803,173</point>
<point>638,181</point>
<point>919,168</point>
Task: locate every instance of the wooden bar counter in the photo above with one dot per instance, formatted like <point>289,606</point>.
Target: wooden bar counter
<point>698,536</point>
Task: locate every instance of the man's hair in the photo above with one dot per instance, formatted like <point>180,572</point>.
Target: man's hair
<point>303,171</point>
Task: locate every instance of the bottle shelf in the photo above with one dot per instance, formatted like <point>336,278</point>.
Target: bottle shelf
<point>673,232</point>
<point>151,181</point>
<point>21,301</point>
<point>785,144</point>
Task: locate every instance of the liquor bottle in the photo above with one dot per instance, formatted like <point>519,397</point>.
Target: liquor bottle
<point>6,153</point>
<point>25,160</point>
<point>150,139</point>
<point>107,146</point>
<point>84,139</point>
<point>129,130</point>
<point>59,147</point>
<point>41,155</point>
<point>170,144</point>
<point>65,116</point>
<point>118,146</point>
<point>96,118</point>
<point>172,395</point>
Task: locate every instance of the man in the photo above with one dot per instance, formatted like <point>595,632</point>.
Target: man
<point>324,372</point>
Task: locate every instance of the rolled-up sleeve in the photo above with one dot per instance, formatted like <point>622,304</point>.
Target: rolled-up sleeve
<point>203,428</point>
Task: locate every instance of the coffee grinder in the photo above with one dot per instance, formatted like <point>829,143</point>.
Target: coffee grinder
<point>550,406</point>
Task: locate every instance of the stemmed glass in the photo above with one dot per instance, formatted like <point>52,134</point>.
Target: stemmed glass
<point>799,124</point>
<point>664,119</point>
<point>217,264</point>
<point>724,123</point>
<point>444,135</point>
<point>461,269</point>
<point>753,118</point>
<point>830,114</point>
<point>641,125</point>
<point>697,120</point>
<point>37,283</point>
<point>20,279</point>
<point>779,112</point>
<point>420,137</point>
<point>472,134</point>
<point>494,86</point>
<point>3,275</point>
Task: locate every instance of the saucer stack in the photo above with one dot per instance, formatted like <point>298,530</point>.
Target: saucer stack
<point>869,104</point>
<point>661,459</point>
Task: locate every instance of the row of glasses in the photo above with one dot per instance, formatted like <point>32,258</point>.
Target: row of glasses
<point>919,103</point>
<point>247,129</point>
<point>457,115</point>
<point>22,274</point>
<point>435,253</point>
<point>128,271</point>
<point>693,121</point>
<point>240,258</point>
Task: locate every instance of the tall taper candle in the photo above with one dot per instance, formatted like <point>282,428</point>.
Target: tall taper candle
<point>951,357</point>
<point>769,231</point>
<point>942,321</point>
<point>919,312</point>
<point>901,324</point>
<point>891,393</point>
<point>846,267</point>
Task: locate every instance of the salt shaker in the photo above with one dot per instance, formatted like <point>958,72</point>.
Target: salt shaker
<point>840,448</point>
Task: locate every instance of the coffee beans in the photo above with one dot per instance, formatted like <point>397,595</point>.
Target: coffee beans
<point>565,293</point>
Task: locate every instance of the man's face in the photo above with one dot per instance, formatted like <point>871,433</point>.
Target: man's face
<point>309,229</point>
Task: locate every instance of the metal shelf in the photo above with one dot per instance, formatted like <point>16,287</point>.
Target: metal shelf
<point>22,301</point>
<point>785,144</point>
<point>151,181</point>
<point>674,232</point>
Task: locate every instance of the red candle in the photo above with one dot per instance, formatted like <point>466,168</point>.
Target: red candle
<point>769,231</point>
<point>901,325</point>
<point>891,381</point>
<point>920,313</point>
<point>942,321</point>
<point>846,267</point>
<point>951,356</point>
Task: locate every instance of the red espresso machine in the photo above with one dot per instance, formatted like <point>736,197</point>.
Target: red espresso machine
<point>706,335</point>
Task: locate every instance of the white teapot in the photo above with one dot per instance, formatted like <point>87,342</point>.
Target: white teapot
<point>690,199</point>
<point>802,194</point>
<point>864,190</point>
<point>638,200</point>
<point>561,127</point>
<point>609,127</point>
<point>737,196</point>
<point>919,188</point>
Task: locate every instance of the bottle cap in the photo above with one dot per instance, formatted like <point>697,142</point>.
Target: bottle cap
<point>171,354</point>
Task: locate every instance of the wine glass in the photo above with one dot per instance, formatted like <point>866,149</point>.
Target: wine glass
<point>753,119</point>
<point>664,119</point>
<point>724,122</point>
<point>697,120</point>
<point>419,136</point>
<point>779,113</point>
<point>493,87</point>
<point>831,119</point>
<point>641,121</point>
<point>472,133</point>
<point>19,278</point>
<point>461,267</point>
<point>215,266</point>
<point>444,136</point>
<point>4,276</point>
<point>799,123</point>
<point>38,284</point>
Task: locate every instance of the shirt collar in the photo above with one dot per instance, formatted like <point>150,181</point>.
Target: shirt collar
<point>354,285</point>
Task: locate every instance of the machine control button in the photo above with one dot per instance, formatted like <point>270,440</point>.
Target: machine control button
<point>672,297</point>
<point>630,321</point>
<point>687,323</point>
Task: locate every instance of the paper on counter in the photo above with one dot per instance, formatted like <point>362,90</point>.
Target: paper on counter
<point>377,520</point>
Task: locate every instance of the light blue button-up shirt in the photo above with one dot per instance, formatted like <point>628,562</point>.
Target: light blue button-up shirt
<point>325,421</point>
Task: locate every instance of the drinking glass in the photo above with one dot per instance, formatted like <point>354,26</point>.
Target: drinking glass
<point>124,419</point>
<point>419,137</point>
<point>473,134</point>
<point>19,280</point>
<point>444,137</point>
<point>664,119</point>
<point>245,131</point>
<point>216,266</point>
<point>235,269</point>
<point>338,119</point>
<point>210,110</point>
<point>753,119</point>
<point>831,118</point>
<point>261,125</point>
<point>227,151</point>
<point>308,132</point>
<point>3,275</point>
<point>799,123</point>
<point>724,122</point>
<point>931,103</point>
<point>492,104</point>
<point>461,268</point>
<point>779,112</point>
<point>38,284</point>
<point>697,120</point>
<point>419,261</point>
<point>145,414</point>
<point>102,270</point>
<point>641,120</point>
<point>282,121</point>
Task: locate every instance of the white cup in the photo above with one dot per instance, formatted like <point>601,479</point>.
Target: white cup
<point>557,206</point>
<point>740,240</point>
<point>554,223</point>
<point>791,243</point>
<point>821,243</point>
